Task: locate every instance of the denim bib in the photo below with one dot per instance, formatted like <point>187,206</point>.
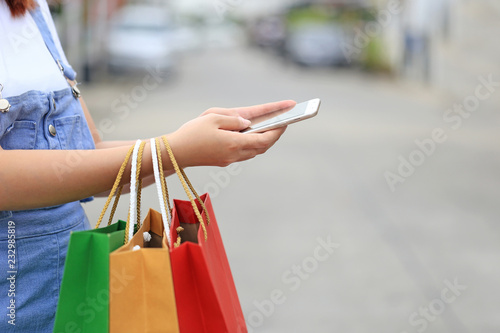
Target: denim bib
<point>33,243</point>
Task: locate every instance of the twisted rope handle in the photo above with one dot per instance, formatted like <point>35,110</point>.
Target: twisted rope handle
<point>196,195</point>
<point>114,189</point>
<point>164,188</point>
<point>135,184</point>
<point>179,240</point>
<point>184,181</point>
<point>161,186</point>
<point>139,182</point>
<point>115,205</point>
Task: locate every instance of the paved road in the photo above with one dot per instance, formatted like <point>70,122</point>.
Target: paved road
<point>317,240</point>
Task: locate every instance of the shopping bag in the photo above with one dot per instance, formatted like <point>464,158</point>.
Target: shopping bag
<point>146,303</point>
<point>83,298</point>
<point>205,292</point>
<point>83,304</point>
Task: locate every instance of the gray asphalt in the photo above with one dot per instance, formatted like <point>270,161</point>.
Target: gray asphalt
<point>317,239</point>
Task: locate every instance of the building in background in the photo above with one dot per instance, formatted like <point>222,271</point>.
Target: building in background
<point>83,29</point>
<point>377,39</point>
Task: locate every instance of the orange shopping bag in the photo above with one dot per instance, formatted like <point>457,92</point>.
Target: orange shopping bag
<point>144,301</point>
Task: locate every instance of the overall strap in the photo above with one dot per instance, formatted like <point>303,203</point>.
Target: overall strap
<point>66,69</point>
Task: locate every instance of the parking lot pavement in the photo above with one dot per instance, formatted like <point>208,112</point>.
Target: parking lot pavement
<point>379,215</point>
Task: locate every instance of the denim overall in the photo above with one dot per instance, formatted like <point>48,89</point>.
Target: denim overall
<point>33,243</point>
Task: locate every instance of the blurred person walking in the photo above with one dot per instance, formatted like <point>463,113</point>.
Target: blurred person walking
<point>52,159</point>
<point>419,24</point>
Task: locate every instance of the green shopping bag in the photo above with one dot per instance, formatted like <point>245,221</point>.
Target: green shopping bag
<point>84,295</point>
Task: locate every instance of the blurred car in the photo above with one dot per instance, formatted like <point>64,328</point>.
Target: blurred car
<point>223,35</point>
<point>142,36</point>
<point>187,39</point>
<point>269,32</point>
<point>316,45</point>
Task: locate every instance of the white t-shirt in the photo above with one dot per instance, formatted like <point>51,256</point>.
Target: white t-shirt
<point>25,62</point>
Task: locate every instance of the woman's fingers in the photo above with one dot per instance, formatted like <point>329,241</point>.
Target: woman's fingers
<point>221,111</point>
<point>261,141</point>
<point>232,123</point>
<point>261,145</point>
<point>251,112</point>
<point>215,139</point>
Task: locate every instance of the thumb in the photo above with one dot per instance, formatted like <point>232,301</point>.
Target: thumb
<point>231,123</point>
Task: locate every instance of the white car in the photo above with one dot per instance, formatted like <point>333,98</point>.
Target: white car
<point>142,36</point>
<point>316,45</point>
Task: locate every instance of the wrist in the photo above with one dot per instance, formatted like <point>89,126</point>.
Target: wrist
<point>177,151</point>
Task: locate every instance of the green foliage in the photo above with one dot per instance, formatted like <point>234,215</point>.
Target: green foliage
<point>375,58</point>
<point>324,14</point>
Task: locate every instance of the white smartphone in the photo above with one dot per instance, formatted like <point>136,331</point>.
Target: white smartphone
<point>284,117</point>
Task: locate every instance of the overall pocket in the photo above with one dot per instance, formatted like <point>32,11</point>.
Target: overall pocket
<point>20,135</point>
<point>69,132</point>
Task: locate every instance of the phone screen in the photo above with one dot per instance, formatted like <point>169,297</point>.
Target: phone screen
<point>279,116</point>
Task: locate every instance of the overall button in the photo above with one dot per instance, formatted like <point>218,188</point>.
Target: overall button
<point>54,103</point>
<point>52,130</point>
<point>4,105</point>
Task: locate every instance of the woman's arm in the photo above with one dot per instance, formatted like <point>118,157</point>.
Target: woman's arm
<point>40,178</point>
<point>244,112</point>
<point>99,144</point>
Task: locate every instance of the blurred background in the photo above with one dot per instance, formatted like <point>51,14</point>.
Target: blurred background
<point>378,215</point>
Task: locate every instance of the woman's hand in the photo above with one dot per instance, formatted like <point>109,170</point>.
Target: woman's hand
<point>213,138</point>
<point>251,112</point>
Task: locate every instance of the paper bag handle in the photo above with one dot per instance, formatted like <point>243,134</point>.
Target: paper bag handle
<point>134,214</point>
<point>186,184</point>
<point>115,189</point>
<point>161,186</point>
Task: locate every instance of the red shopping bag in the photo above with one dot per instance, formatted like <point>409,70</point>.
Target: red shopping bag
<point>205,293</point>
